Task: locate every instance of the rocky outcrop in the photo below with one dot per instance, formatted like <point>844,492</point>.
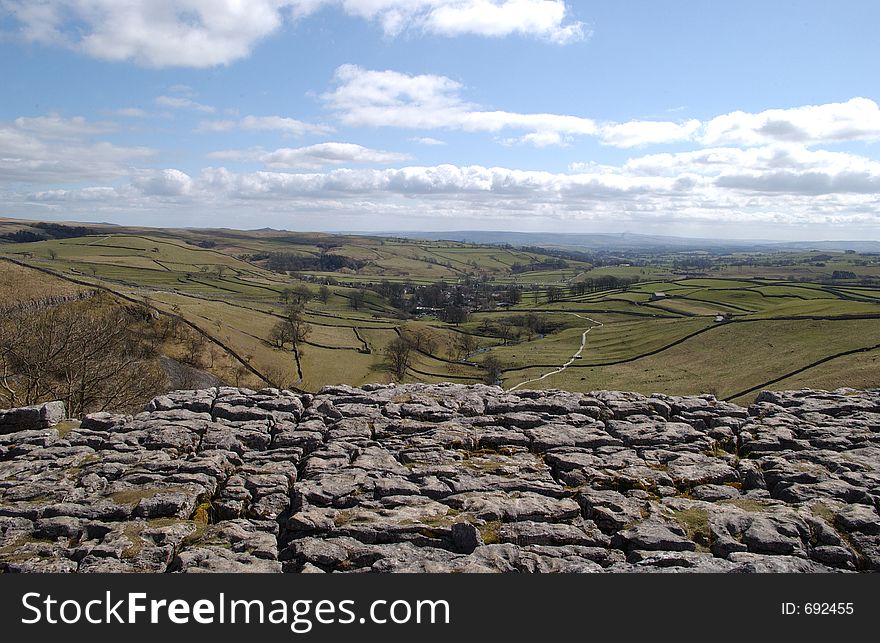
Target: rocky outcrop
<point>443,478</point>
<point>29,418</point>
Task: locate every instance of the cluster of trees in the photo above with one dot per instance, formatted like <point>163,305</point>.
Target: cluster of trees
<point>293,328</point>
<point>452,301</point>
<point>47,231</point>
<point>511,328</point>
<point>205,243</point>
<point>400,352</point>
<point>544,264</point>
<point>22,236</point>
<point>94,356</point>
<point>325,262</point>
<point>601,283</point>
<point>693,263</point>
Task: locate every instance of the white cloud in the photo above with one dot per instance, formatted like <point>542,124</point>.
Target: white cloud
<point>371,98</point>
<point>427,140</point>
<point>797,187</point>
<point>392,99</point>
<point>541,139</point>
<point>53,149</point>
<point>760,179</point>
<point>780,167</point>
<point>543,19</point>
<point>176,102</point>
<point>84,195</point>
<point>56,126</point>
<point>636,133</point>
<point>206,33</point>
<point>289,126</point>
<point>163,183</point>
<point>191,33</point>
<point>856,119</point>
<point>312,156</point>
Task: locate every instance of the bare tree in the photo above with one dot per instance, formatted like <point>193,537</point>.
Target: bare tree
<point>194,346</point>
<point>293,328</point>
<point>92,355</point>
<point>505,329</point>
<point>213,354</point>
<point>421,340</point>
<point>280,333</point>
<point>494,370</point>
<point>324,294</point>
<point>398,354</point>
<point>465,345</point>
<point>298,295</point>
<point>356,299</point>
<point>299,328</point>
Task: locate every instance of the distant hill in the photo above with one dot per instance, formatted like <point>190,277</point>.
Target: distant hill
<point>858,246</point>
<point>592,241</point>
<point>630,241</point>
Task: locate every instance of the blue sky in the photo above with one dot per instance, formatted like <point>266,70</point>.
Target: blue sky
<point>747,119</point>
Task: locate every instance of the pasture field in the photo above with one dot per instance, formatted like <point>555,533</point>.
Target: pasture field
<point>21,285</point>
<point>725,361</point>
<point>776,330</point>
<point>852,371</point>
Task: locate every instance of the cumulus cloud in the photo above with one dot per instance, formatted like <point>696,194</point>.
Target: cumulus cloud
<point>781,168</point>
<point>56,149</point>
<point>205,33</point>
<point>856,119</point>
<point>448,181</point>
<point>798,189</point>
<point>766,176</point>
<point>84,195</point>
<point>313,156</point>
<point>392,99</point>
<point>544,19</point>
<point>372,98</point>
<point>637,133</point>
<point>193,33</point>
<point>168,182</point>
<point>289,126</point>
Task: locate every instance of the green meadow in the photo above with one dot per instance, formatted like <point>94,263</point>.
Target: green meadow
<point>729,331</point>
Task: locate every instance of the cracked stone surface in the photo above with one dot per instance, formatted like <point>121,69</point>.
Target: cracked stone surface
<point>445,478</point>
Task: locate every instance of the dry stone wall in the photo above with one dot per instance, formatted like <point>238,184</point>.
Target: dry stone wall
<point>443,478</point>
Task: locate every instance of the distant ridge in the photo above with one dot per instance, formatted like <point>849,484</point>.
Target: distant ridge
<point>627,241</point>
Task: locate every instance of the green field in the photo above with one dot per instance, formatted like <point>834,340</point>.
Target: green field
<point>779,327</point>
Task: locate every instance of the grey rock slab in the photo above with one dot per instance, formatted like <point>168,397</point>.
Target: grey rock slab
<point>220,560</point>
<point>38,416</point>
<point>496,505</point>
<point>763,564</point>
<point>543,533</point>
<point>654,535</point>
<point>550,436</point>
<point>861,518</point>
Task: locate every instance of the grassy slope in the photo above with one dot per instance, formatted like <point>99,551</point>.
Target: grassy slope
<point>726,360</point>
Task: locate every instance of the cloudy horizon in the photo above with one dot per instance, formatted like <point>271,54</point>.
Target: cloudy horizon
<point>441,115</point>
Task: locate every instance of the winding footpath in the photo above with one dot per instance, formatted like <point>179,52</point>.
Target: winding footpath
<point>573,357</point>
